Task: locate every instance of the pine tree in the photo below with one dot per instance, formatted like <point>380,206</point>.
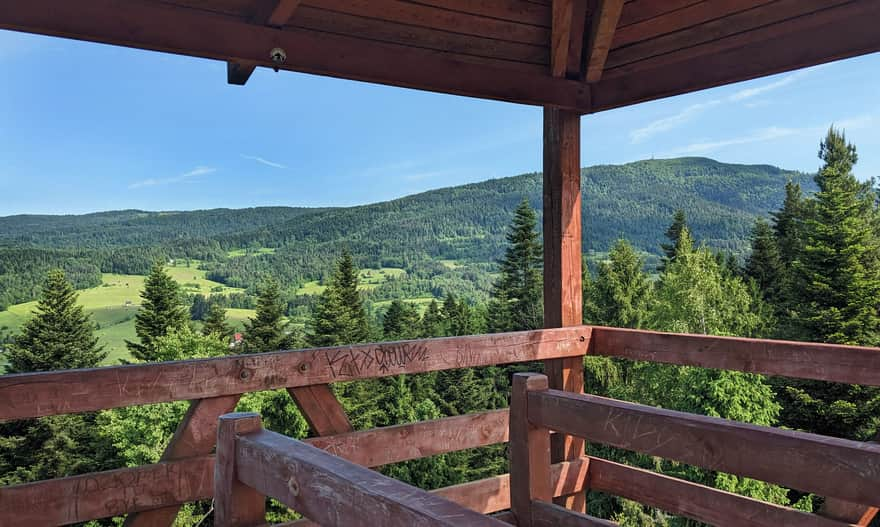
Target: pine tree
<point>788,223</point>
<point>215,322</point>
<point>401,321</point>
<point>340,317</point>
<point>457,317</point>
<point>161,310</point>
<point>268,330</point>
<point>679,223</point>
<point>432,321</point>
<point>59,336</point>
<point>199,308</point>
<point>764,264</point>
<point>517,295</point>
<point>621,294</point>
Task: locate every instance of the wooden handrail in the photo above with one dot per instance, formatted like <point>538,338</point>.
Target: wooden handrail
<point>253,462</point>
<point>839,468</point>
<point>804,360</point>
<point>30,395</point>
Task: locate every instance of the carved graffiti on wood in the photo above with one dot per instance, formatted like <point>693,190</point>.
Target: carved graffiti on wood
<point>383,357</point>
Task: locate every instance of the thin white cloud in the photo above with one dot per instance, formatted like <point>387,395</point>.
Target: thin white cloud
<point>668,123</point>
<point>748,93</point>
<point>194,173</point>
<point>264,161</point>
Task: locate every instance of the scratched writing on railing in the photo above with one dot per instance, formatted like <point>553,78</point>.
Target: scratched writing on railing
<point>384,358</point>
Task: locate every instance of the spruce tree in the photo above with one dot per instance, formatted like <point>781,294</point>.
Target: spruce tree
<point>59,336</point>
<point>679,223</point>
<point>432,321</point>
<point>621,294</point>
<point>788,223</point>
<point>161,310</point>
<point>517,295</point>
<point>457,317</point>
<point>268,330</point>
<point>400,322</point>
<point>764,264</point>
<point>215,322</point>
<point>340,317</point>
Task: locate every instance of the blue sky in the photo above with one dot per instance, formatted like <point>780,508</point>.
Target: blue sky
<point>86,127</point>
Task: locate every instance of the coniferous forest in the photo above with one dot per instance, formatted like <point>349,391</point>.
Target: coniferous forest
<point>688,245</point>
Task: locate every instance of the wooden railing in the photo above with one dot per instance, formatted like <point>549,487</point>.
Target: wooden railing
<point>153,494</point>
<point>831,467</point>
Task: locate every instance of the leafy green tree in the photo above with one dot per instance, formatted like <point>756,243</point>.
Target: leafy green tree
<point>268,330</point>
<point>679,223</point>
<point>401,321</point>
<point>764,264</point>
<point>59,336</point>
<point>339,316</point>
<point>518,292</point>
<point>215,322</point>
<point>621,293</point>
<point>161,311</point>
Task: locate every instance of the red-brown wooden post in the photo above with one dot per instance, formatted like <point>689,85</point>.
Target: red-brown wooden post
<point>235,504</point>
<point>562,263</point>
<point>529,451</point>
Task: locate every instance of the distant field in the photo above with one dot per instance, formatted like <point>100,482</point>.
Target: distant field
<point>114,303</point>
<point>368,278</point>
<point>237,253</point>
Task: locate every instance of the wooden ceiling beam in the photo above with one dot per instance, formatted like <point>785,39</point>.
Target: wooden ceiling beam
<point>568,21</point>
<point>602,27</point>
<point>272,13</point>
<point>161,27</point>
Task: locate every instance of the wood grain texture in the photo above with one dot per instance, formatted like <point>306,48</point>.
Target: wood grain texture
<point>529,451</point>
<point>236,504</point>
<point>849,512</point>
<point>698,502</point>
<point>333,491</point>
<point>603,24</point>
<point>827,362</point>
<point>60,392</point>
<point>828,466</point>
<point>321,409</point>
<point>552,515</point>
<point>273,13</point>
<point>562,260</point>
<point>161,27</point>
<point>196,436</point>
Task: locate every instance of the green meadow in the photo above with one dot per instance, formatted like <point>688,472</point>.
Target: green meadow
<point>368,278</point>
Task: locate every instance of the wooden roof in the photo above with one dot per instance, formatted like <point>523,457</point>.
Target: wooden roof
<point>583,55</point>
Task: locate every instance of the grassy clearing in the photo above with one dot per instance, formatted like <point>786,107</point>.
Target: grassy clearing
<point>368,278</point>
<point>238,253</point>
<point>421,303</point>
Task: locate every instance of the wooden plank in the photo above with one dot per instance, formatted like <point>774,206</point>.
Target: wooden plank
<point>196,436</point>
<point>560,38</point>
<point>850,512</point>
<point>522,11</point>
<point>274,13</point>
<point>50,393</point>
<point>562,259</point>
<point>641,10</point>
<point>491,495</point>
<point>679,19</point>
<point>150,25</point>
<point>529,451</point>
<point>695,501</point>
<point>65,501</point>
<point>321,409</point>
<point>332,491</point>
<point>602,27</point>
<point>552,515</point>
<point>236,504</point>
<point>826,362</point>
<point>392,444</point>
<point>828,466</point>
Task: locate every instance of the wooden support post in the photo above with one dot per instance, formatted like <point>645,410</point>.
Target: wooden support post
<point>562,262</point>
<point>195,436</point>
<point>529,451</point>
<point>235,504</point>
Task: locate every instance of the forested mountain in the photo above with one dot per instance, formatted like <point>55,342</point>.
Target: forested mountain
<point>465,223</point>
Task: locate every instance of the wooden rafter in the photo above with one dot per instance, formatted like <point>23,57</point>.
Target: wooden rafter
<point>602,26</point>
<point>272,13</point>
<point>567,36</point>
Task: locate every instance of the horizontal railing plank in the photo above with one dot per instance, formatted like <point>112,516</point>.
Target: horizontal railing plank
<point>551,515</point>
<point>61,392</point>
<point>828,466</point>
<point>695,501</point>
<point>825,362</point>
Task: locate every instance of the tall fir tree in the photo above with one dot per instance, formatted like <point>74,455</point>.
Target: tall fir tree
<point>59,336</point>
<point>268,329</point>
<point>518,295</point>
<point>621,294</point>
<point>340,317</point>
<point>161,311</point>
<point>457,317</point>
<point>401,321</point>
<point>764,265</point>
<point>215,322</point>
<point>788,223</point>
<point>679,223</point>
<point>431,324</point>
